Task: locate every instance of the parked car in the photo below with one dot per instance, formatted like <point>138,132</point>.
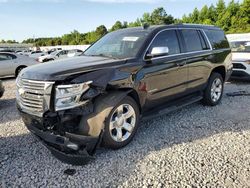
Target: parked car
<point>1,89</point>
<point>11,64</point>
<point>60,54</point>
<point>36,54</point>
<point>73,53</point>
<point>24,52</point>
<point>128,75</point>
<point>241,59</point>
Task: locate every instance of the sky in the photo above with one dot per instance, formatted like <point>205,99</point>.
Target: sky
<point>22,19</point>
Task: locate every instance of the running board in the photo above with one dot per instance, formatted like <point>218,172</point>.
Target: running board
<point>171,107</point>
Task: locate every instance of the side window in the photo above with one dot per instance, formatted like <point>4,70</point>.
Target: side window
<point>217,39</point>
<point>192,40</point>
<point>4,57</point>
<point>168,39</point>
<point>12,56</point>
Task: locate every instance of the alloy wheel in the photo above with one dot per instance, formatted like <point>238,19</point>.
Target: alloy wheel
<point>216,90</point>
<point>122,123</point>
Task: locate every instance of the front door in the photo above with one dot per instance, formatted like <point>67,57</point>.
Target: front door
<point>165,76</point>
<point>6,65</point>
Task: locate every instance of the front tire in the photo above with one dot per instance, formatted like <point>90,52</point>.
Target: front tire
<point>214,90</point>
<point>121,124</point>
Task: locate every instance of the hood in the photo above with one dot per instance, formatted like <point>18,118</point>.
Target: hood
<point>61,69</point>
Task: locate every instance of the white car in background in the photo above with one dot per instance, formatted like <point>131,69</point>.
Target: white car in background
<point>59,54</point>
<point>11,64</point>
<point>36,54</point>
<point>241,59</point>
<point>73,53</point>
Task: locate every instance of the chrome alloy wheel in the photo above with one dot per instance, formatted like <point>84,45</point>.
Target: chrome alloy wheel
<point>216,90</point>
<point>122,123</point>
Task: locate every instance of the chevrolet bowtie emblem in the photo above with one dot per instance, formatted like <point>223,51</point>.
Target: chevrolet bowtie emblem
<point>21,92</point>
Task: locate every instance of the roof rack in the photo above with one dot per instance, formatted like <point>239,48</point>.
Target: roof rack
<point>195,24</point>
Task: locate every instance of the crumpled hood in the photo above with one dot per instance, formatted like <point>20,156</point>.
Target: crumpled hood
<point>61,69</point>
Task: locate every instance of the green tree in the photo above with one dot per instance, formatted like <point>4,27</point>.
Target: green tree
<point>101,31</point>
<point>118,25</point>
<point>159,17</point>
<point>204,14</point>
<point>195,16</point>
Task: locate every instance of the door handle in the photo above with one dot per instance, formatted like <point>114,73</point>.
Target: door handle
<point>180,64</point>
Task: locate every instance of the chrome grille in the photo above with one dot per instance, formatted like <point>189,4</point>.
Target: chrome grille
<point>33,97</point>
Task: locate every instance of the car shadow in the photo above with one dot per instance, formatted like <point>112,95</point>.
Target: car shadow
<point>187,125</point>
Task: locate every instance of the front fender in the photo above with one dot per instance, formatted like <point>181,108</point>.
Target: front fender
<point>94,123</point>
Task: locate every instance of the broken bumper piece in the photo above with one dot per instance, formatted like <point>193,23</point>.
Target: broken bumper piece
<point>71,148</point>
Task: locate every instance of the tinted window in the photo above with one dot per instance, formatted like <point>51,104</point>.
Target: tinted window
<point>168,39</point>
<point>192,40</point>
<point>4,57</point>
<point>217,39</point>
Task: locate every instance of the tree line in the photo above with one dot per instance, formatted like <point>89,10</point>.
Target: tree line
<point>232,18</point>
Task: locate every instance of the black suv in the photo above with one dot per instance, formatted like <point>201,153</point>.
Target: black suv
<point>75,105</point>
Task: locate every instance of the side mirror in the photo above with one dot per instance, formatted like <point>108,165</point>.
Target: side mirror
<point>158,51</point>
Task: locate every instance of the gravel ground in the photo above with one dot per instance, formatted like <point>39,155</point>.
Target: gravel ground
<point>194,147</point>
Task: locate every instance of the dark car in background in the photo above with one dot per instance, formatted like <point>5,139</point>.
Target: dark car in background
<point>98,99</point>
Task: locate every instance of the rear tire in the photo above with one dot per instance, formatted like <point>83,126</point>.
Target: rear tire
<point>121,124</point>
<point>214,90</point>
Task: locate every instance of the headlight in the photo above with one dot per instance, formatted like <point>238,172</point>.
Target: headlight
<point>68,96</point>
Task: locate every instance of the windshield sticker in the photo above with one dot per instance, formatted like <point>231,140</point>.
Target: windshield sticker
<point>131,39</point>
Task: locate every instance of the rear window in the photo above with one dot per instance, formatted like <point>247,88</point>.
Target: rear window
<point>217,39</point>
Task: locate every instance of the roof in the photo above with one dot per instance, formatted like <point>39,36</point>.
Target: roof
<point>160,27</point>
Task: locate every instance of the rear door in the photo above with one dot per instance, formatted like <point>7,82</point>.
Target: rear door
<point>7,64</point>
<point>198,57</point>
<point>165,76</point>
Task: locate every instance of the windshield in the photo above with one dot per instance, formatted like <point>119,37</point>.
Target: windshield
<point>121,44</point>
<point>240,46</point>
<point>55,52</point>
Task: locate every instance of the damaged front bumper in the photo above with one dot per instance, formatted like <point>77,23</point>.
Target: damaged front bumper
<point>68,147</point>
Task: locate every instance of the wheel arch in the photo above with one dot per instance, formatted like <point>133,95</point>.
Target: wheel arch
<point>93,124</point>
<point>220,70</point>
<point>20,66</point>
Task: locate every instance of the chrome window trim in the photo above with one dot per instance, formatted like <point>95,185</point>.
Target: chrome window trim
<point>173,55</point>
<point>209,43</point>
